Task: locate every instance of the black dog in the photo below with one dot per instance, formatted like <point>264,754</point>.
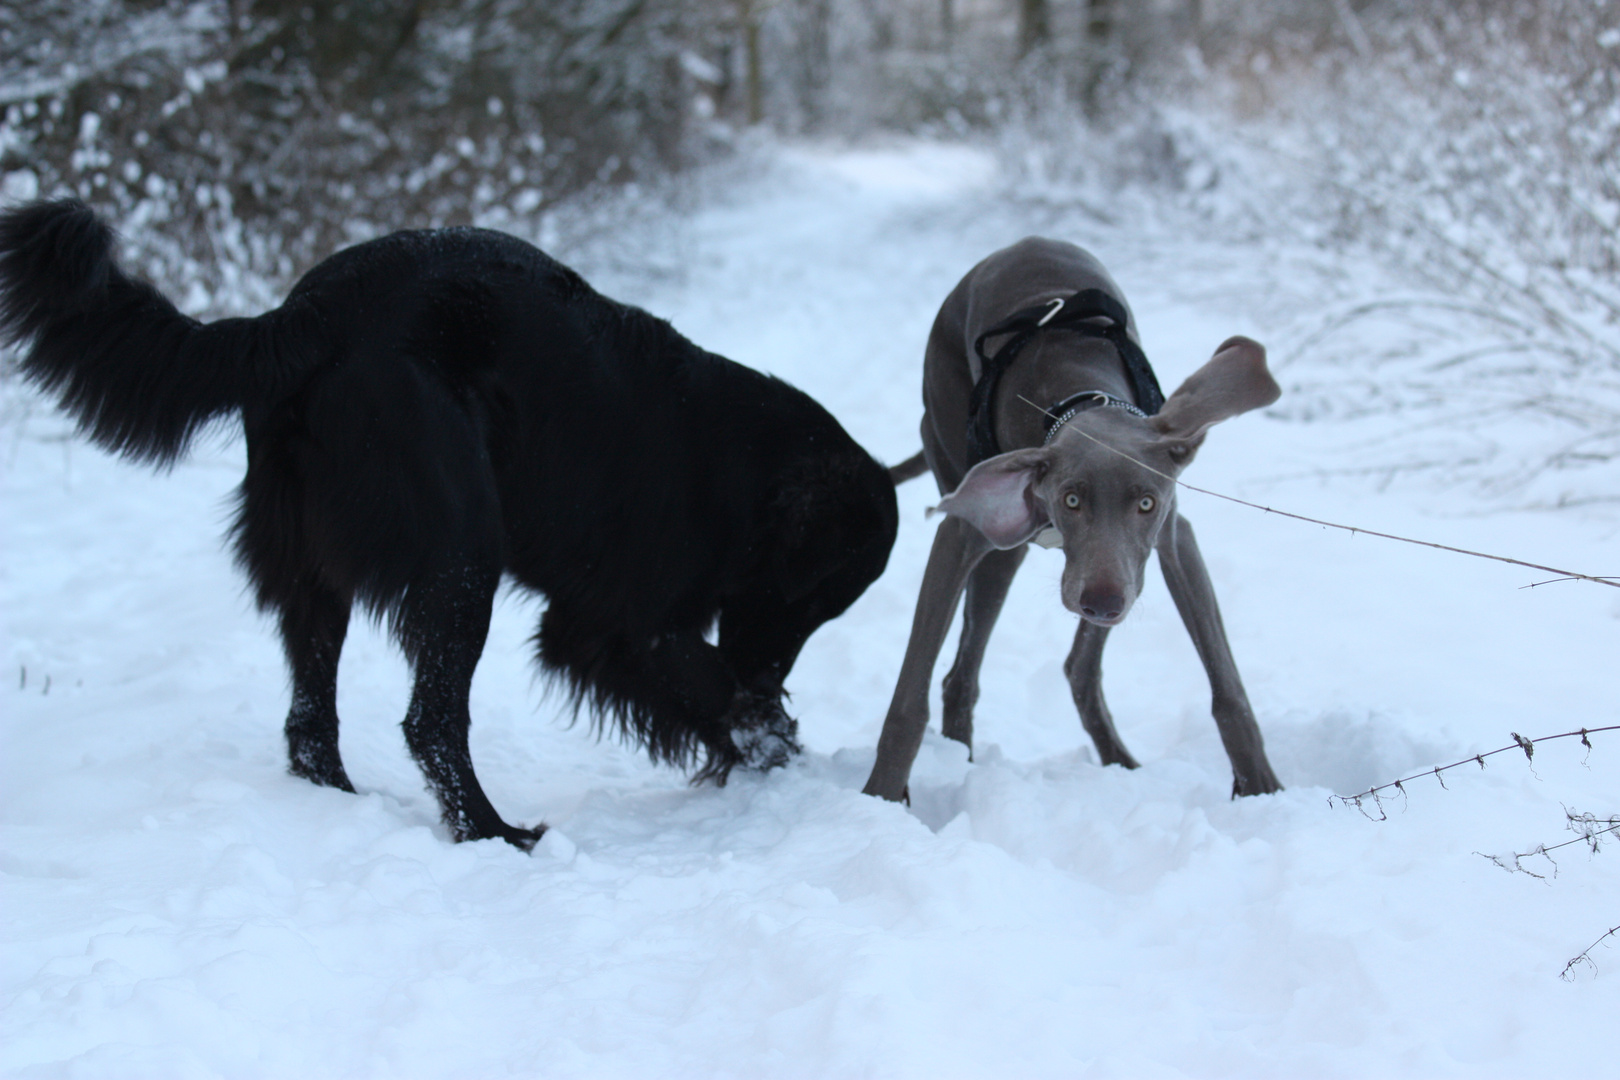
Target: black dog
<point>428,410</point>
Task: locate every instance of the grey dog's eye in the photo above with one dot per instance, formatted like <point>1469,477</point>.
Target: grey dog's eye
<point>1146,504</point>
<point>1072,501</point>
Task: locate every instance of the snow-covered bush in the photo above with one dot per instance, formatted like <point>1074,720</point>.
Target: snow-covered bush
<point>1468,149</point>
<point>1474,146</point>
<point>236,144</point>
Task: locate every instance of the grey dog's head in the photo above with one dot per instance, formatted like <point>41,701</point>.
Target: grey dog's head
<point>1107,508</point>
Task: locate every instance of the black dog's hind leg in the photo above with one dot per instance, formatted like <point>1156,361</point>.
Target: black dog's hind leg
<point>442,622</point>
<point>314,622</point>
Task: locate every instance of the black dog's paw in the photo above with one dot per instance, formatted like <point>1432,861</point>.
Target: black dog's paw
<point>765,736</point>
<point>522,839</point>
<point>760,735</point>
<point>318,767</point>
<point>765,748</point>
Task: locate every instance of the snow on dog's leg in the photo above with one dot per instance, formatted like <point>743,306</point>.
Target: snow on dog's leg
<point>313,625</point>
<point>765,736</point>
<point>442,622</point>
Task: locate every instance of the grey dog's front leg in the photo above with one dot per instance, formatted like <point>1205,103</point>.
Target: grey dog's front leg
<point>1190,587</point>
<point>987,589</point>
<point>957,549</point>
<point>1084,669</point>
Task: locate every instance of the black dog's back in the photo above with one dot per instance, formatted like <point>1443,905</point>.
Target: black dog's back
<point>635,473</point>
<point>431,409</point>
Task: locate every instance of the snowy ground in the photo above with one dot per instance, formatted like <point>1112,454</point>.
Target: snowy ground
<point>177,906</point>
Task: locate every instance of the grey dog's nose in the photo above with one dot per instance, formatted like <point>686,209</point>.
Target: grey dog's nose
<point>1102,605</point>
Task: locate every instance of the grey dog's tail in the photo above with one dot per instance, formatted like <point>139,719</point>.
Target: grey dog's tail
<point>909,469</point>
<point>140,377</point>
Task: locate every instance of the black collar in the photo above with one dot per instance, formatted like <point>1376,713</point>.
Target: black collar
<point>1084,401</point>
<point>1073,314</point>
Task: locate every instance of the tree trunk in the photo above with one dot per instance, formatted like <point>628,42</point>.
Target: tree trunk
<point>756,91</point>
<point>1034,26</point>
<point>1099,22</point>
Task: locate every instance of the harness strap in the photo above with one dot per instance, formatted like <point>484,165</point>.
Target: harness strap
<point>1070,314</point>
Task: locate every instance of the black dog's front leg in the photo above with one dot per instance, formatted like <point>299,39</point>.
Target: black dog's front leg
<point>739,720</point>
<point>673,693</point>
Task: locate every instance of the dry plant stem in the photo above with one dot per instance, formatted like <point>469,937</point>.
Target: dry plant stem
<point>1611,582</point>
<point>1586,955</point>
<point>1551,316</point>
<point>1344,319</point>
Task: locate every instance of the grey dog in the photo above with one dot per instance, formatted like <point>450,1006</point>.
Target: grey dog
<point>1070,433</point>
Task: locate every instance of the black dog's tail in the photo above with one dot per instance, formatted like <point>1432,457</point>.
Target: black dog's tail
<point>140,377</point>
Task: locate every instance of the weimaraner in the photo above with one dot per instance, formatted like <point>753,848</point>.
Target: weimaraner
<point>1039,454</point>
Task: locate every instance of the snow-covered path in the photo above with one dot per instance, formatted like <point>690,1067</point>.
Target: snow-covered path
<point>177,906</point>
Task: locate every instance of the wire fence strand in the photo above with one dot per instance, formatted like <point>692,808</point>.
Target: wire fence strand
<point>1590,830</point>
<point>1376,794</point>
<point>1568,974</point>
<point>1569,575</point>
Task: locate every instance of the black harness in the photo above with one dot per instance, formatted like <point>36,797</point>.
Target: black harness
<point>1072,314</point>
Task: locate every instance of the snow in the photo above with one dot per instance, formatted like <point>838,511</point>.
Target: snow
<point>177,906</point>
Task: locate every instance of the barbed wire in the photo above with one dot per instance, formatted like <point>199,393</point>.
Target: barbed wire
<point>1590,830</point>
<point>1375,794</point>
<point>1564,575</point>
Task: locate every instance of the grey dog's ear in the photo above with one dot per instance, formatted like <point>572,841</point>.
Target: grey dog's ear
<point>995,497</point>
<point>1234,381</point>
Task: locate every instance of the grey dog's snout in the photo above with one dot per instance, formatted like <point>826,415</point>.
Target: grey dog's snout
<point>1103,605</point>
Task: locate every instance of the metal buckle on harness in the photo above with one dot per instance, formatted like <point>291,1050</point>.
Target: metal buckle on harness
<point>1057,306</point>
